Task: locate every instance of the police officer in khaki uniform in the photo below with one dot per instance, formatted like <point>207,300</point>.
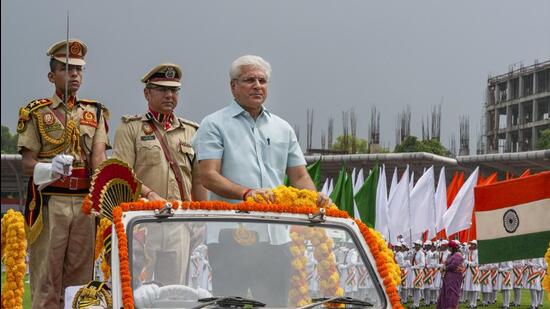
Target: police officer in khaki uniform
<point>157,145</point>
<point>61,142</point>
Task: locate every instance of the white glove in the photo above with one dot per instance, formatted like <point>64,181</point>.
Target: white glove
<point>43,175</point>
<point>145,295</point>
<point>63,164</point>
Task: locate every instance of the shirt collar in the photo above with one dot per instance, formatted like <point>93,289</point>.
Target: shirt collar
<point>235,109</point>
<point>57,99</point>
<point>168,122</point>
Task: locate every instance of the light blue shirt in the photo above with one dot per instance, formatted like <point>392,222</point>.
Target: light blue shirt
<point>254,153</point>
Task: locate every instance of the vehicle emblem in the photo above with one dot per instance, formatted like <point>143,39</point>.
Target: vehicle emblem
<point>243,236</point>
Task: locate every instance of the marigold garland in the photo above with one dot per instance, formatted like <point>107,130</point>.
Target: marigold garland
<point>546,280</point>
<point>298,294</point>
<point>14,247</point>
<point>305,204</point>
<point>290,196</point>
<point>382,264</point>
<point>329,279</point>
<point>104,224</point>
<point>125,276</point>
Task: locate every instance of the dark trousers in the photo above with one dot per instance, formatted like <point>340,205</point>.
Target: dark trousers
<point>261,267</point>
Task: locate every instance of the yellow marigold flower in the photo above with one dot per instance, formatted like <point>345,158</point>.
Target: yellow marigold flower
<point>293,293</point>
<point>14,244</point>
<point>295,250</point>
<point>303,302</point>
<point>335,278</point>
<point>297,264</point>
<point>323,248</point>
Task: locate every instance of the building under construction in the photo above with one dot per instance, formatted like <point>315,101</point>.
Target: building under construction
<point>517,108</point>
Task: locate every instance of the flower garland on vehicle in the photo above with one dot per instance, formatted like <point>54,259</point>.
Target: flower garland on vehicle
<point>125,276</point>
<point>546,280</point>
<point>298,294</point>
<point>329,279</point>
<point>387,268</point>
<point>385,264</point>
<point>101,233</point>
<point>14,247</point>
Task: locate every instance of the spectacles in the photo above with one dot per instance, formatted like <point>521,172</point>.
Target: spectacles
<point>175,90</point>
<point>250,80</point>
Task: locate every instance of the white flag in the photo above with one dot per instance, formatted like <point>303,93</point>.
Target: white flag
<point>358,184</point>
<point>359,180</point>
<point>381,223</point>
<point>398,206</point>
<point>411,182</point>
<point>459,216</point>
<point>393,184</point>
<point>440,201</point>
<point>330,187</point>
<point>422,204</point>
<point>325,186</point>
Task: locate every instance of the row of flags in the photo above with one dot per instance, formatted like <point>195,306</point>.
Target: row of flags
<point>430,210</point>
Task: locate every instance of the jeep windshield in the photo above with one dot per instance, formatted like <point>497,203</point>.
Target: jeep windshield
<point>176,262</point>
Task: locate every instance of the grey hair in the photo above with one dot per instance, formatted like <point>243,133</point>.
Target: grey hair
<point>251,60</point>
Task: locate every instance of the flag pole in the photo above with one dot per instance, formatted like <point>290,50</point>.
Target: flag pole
<point>409,208</point>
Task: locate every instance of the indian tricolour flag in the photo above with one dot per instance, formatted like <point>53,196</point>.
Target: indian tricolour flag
<point>513,218</point>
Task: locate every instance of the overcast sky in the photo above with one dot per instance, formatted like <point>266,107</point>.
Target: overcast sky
<point>327,55</point>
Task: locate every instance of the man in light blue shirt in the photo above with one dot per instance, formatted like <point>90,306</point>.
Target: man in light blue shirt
<point>244,150</point>
<point>252,153</point>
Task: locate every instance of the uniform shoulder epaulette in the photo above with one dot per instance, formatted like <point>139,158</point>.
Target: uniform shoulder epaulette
<point>88,101</point>
<point>101,108</point>
<point>25,112</point>
<point>189,122</point>
<point>93,102</point>
<point>128,118</point>
<point>36,104</point>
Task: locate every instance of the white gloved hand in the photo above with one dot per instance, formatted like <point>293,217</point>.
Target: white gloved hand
<point>63,164</point>
<point>145,295</point>
<point>43,175</point>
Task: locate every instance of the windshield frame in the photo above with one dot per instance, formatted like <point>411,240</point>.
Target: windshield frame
<point>349,227</point>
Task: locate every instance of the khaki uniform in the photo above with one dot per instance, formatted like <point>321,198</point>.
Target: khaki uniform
<point>61,237</point>
<point>136,144</point>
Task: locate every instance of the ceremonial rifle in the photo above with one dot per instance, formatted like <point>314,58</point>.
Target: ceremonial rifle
<point>66,167</point>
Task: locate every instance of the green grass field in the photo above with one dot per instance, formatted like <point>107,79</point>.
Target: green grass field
<point>525,301</point>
